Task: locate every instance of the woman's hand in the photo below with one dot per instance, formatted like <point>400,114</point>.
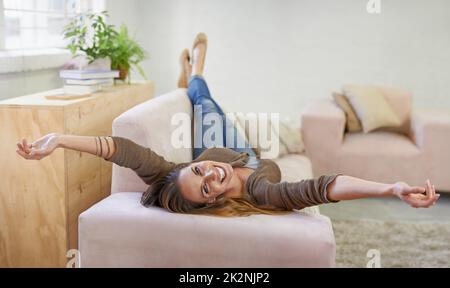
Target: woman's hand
<point>414,196</point>
<point>39,148</point>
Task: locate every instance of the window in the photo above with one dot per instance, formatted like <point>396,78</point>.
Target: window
<point>38,24</point>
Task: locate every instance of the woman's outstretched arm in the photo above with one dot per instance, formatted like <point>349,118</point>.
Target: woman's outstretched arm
<point>334,188</point>
<point>349,188</point>
<point>100,146</point>
<point>147,164</point>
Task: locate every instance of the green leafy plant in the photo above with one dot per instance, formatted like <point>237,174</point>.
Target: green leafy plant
<point>89,34</point>
<point>126,52</point>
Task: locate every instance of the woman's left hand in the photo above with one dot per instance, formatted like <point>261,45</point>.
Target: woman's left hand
<point>414,196</point>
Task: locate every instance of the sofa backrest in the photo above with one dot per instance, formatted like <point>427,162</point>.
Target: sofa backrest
<point>151,124</point>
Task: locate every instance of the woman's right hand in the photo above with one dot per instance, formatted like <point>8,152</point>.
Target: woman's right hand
<point>39,148</point>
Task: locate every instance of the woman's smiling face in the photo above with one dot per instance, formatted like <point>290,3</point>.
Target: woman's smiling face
<point>203,181</point>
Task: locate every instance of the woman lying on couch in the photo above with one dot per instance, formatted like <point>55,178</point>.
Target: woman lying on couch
<point>221,181</point>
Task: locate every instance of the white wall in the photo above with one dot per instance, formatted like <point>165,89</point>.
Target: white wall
<point>18,84</point>
<point>275,56</point>
<point>159,32</point>
<point>124,12</point>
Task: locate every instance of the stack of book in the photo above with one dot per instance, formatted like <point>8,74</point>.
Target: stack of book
<point>81,82</point>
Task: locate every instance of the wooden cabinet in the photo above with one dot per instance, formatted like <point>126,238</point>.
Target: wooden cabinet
<point>40,200</point>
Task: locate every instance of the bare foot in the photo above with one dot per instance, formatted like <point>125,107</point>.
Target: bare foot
<point>186,69</point>
<point>199,53</point>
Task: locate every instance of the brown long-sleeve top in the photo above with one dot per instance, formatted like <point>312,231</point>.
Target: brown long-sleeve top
<point>263,185</point>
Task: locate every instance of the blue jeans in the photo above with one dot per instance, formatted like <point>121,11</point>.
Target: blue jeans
<point>204,104</point>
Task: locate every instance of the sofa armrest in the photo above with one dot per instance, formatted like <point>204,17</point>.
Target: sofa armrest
<point>323,123</point>
<point>150,124</point>
<point>430,131</point>
<point>323,126</point>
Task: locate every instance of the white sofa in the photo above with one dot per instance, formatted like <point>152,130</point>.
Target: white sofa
<point>119,232</point>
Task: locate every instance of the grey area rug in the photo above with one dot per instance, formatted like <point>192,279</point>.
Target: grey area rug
<point>400,244</point>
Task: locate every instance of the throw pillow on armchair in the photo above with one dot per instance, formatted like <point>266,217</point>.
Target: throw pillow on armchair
<point>352,123</point>
<point>371,107</point>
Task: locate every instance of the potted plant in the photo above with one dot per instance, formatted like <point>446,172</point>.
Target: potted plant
<point>91,36</point>
<point>126,53</point>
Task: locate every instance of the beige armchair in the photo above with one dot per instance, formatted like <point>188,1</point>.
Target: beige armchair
<point>422,152</point>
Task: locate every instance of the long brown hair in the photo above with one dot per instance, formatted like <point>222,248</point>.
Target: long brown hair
<point>165,193</point>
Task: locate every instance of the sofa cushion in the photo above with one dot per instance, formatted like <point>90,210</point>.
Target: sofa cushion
<point>290,138</point>
<point>400,101</point>
<point>119,232</point>
<point>381,156</point>
<point>379,143</point>
<point>250,126</point>
<point>371,107</point>
<point>352,123</point>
